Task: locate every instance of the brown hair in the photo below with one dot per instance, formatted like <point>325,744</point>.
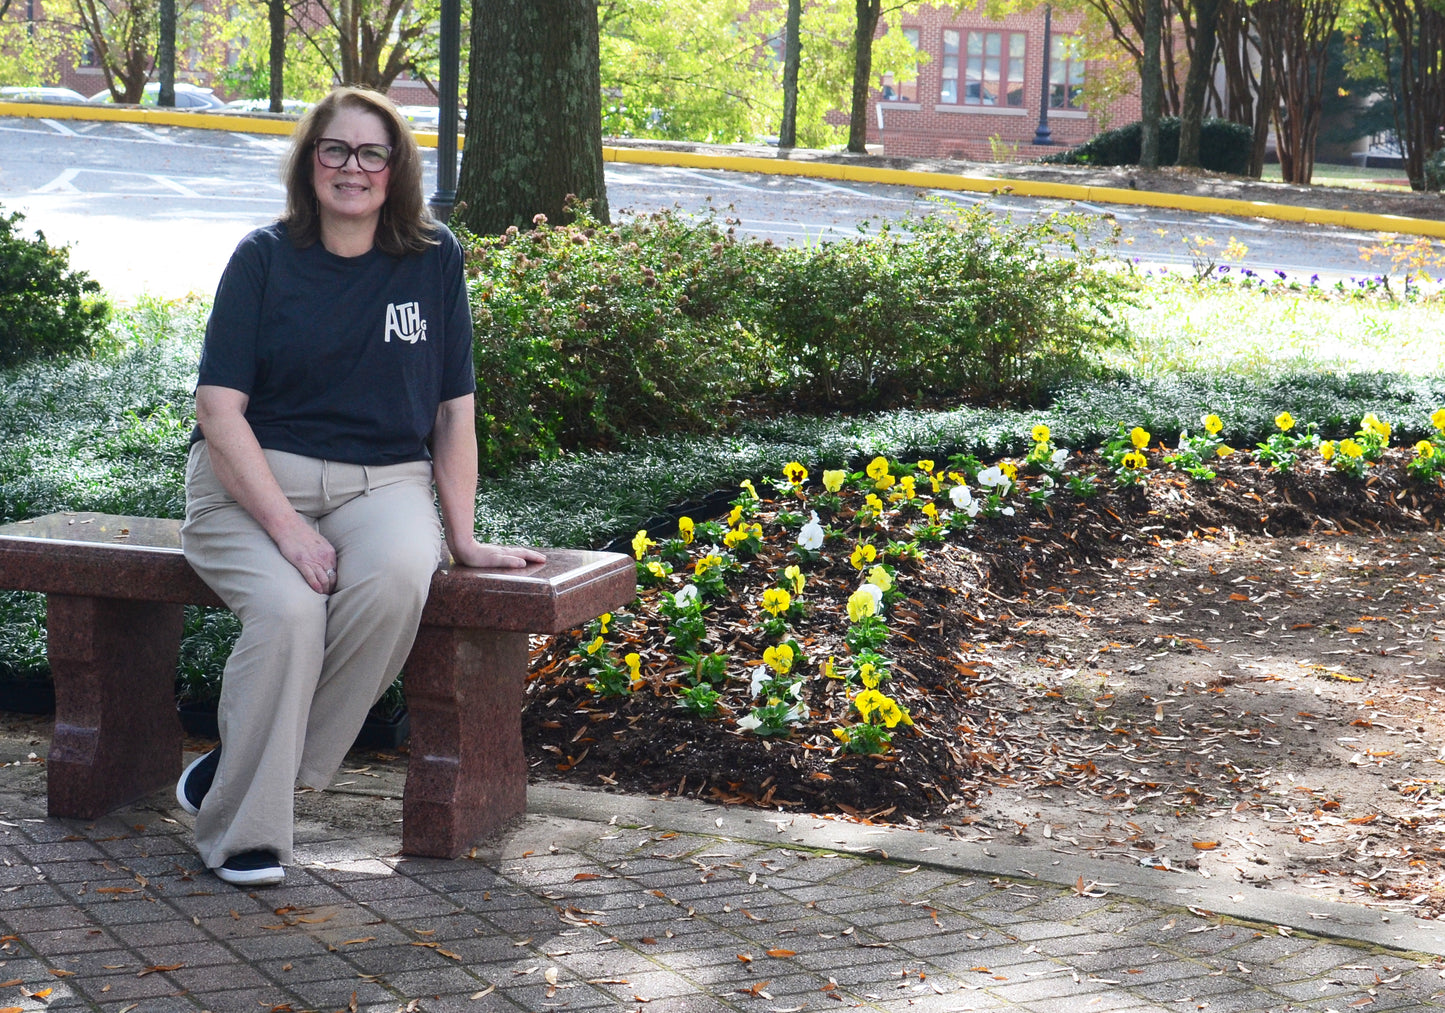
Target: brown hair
<point>406,224</point>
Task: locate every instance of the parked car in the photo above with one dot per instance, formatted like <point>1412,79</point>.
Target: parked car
<point>428,117</point>
<point>16,93</point>
<point>289,106</point>
<point>188,96</point>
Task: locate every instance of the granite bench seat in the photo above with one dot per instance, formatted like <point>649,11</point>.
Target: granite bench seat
<point>116,587</point>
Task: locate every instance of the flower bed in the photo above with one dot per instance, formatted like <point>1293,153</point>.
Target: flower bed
<point>804,648</point>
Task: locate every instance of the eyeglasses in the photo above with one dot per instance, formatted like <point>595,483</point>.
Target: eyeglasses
<point>370,157</point>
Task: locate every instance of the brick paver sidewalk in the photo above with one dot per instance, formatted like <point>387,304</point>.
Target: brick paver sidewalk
<point>587,906</point>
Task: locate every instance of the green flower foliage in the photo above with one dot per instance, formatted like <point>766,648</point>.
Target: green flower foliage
<point>48,309</point>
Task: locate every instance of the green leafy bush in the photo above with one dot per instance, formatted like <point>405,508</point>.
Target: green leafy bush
<point>585,332</point>
<point>46,308</point>
<point>1223,146</point>
<point>952,304</point>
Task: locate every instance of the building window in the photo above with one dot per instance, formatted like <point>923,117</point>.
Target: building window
<point>1066,72</point>
<point>899,90</point>
<point>994,66</point>
<point>948,93</point>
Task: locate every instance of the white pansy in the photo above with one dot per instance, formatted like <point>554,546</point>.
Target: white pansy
<point>761,674</point>
<point>796,714</point>
<point>1058,457</point>
<point>687,596</point>
<point>811,537</point>
<point>973,508</point>
<point>1007,511</point>
<point>961,496</point>
<point>749,723</point>
<point>1046,481</point>
<point>994,478</point>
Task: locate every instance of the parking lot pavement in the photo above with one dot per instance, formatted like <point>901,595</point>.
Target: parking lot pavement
<point>598,901</point>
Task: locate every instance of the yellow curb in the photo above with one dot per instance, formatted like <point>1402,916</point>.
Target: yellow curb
<point>814,170</point>
<point>1024,188</point>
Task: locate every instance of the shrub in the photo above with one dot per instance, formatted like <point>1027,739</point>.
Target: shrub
<point>950,304</point>
<point>585,332</point>
<point>1223,146</point>
<point>47,309</point>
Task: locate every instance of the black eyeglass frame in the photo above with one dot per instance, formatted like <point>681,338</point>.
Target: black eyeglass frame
<point>350,151</point>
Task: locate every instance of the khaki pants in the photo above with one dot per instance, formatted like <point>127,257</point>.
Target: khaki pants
<point>307,666</point>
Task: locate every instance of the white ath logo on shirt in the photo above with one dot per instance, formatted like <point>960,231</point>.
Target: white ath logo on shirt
<point>405,322</point>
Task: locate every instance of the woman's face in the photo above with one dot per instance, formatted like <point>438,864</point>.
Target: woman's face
<point>351,192</point>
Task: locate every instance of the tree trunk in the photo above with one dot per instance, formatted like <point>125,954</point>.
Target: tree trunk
<point>868,12</point>
<point>537,60</point>
<point>1263,114</point>
<point>276,13</point>
<point>1414,34</point>
<point>1151,87</point>
<point>1295,35</point>
<point>1196,85</point>
<point>166,56</point>
<point>792,56</point>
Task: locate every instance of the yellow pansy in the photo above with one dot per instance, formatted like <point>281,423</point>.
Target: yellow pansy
<point>686,530</point>
<point>842,735</point>
<point>833,479</point>
<point>930,511</point>
<point>925,466</point>
<point>877,468</point>
<point>735,537</point>
<point>1425,449</point>
<point>1223,450</point>
<point>735,515</point>
<point>1351,449</point>
<point>890,712</point>
<point>1040,434</point>
<point>873,503</point>
<point>861,605</point>
<point>880,578</point>
<point>867,702</point>
<point>1213,424</point>
<point>830,668</point>
<point>641,543</point>
<point>868,675</point>
<point>747,484</point>
<point>795,473</point>
<point>863,555</point>
<point>794,576</point>
<point>595,646</point>
<point>1134,459</point>
<point>603,621</point>
<point>776,600</point>
<point>657,569</point>
<point>1327,450</point>
<point>1009,469</point>
<point>885,482</point>
<point>1371,424</point>
<point>779,658</point>
<point>1139,437</point>
<point>634,665</point>
<point>1437,419</point>
<point>906,487</point>
<point>1284,421</point>
<point>706,563</point>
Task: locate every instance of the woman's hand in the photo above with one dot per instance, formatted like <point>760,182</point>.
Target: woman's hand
<point>311,554</point>
<point>479,554</point>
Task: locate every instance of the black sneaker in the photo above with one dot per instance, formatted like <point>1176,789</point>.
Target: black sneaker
<point>196,781</point>
<point>252,868</point>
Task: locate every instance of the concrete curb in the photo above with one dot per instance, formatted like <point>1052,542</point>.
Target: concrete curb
<point>782,166</point>
<point>1322,916</point>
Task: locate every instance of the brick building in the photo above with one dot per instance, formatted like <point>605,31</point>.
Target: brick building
<point>978,95</point>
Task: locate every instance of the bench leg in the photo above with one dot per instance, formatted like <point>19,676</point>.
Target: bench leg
<point>117,735</point>
<point>467,774</point>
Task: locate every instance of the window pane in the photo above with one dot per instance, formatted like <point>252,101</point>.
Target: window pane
<point>950,42</point>
<point>948,92</point>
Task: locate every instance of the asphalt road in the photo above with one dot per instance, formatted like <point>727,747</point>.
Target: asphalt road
<point>158,210</point>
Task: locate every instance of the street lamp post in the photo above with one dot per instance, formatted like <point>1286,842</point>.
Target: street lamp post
<point>1043,135</point>
<point>445,197</point>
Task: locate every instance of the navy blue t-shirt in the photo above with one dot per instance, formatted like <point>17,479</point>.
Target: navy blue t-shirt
<point>343,358</point>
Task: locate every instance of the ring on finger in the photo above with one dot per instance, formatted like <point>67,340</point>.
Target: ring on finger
<point>331,574</point>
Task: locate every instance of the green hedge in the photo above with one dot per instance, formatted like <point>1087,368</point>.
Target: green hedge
<point>1223,146</point>
<point>46,309</point>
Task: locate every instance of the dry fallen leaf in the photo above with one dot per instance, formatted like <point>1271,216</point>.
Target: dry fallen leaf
<point>1205,845</point>
<point>779,954</point>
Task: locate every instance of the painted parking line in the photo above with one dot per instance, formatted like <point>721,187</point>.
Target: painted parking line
<point>64,183</point>
<point>60,128</point>
<point>178,187</point>
<point>268,143</point>
<point>148,133</point>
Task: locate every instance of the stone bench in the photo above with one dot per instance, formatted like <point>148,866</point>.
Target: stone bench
<point>115,589</point>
